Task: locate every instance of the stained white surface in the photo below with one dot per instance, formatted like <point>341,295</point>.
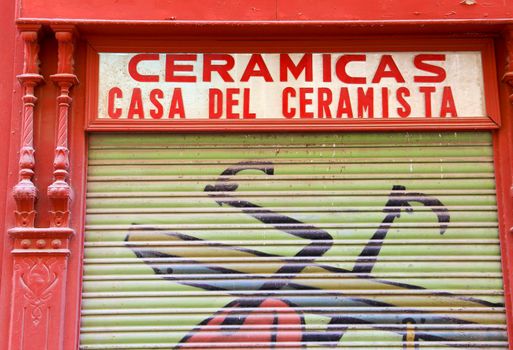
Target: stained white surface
<point>464,77</point>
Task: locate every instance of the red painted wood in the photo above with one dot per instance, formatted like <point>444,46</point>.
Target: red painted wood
<point>34,296</point>
<point>102,44</point>
<point>298,10</point>
<point>25,192</point>
<point>290,19</point>
<point>503,151</point>
<point>46,126</point>
<point>60,192</point>
<point>161,10</point>
<point>507,77</point>
<point>391,9</point>
<point>8,87</point>
<point>78,171</point>
<point>38,293</point>
<point>10,100</point>
<point>277,29</point>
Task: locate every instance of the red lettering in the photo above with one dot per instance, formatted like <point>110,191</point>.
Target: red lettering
<point>448,106</point>
<point>155,94</point>
<point>439,72</point>
<point>287,65</point>
<point>365,102</point>
<point>134,61</point>
<point>172,67</point>
<point>405,109</point>
<point>286,110</point>
<point>231,102</point>
<point>326,67</point>
<point>324,99</point>
<point>176,105</point>
<point>221,69</point>
<point>340,69</point>
<point>215,99</point>
<point>387,69</point>
<point>427,91</point>
<point>136,105</point>
<point>114,93</point>
<point>344,104</point>
<point>256,68</point>
<point>305,102</point>
<point>246,99</point>
<point>384,102</point>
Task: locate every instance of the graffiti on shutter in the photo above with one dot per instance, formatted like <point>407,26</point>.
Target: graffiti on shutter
<point>281,270</point>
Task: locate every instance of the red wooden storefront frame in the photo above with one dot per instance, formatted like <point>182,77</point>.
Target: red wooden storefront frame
<point>498,104</point>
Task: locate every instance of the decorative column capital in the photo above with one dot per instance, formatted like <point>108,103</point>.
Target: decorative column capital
<point>66,36</point>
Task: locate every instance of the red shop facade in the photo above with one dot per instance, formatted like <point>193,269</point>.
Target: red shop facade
<point>261,174</point>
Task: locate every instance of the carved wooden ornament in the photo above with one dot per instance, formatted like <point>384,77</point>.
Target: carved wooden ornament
<point>25,192</point>
<point>508,76</point>
<point>59,191</point>
<point>40,255</point>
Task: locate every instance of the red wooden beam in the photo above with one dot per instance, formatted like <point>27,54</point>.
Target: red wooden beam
<point>270,10</point>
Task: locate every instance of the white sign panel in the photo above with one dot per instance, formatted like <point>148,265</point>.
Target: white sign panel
<point>292,86</point>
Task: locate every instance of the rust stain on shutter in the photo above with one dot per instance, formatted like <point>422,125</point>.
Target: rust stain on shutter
<point>298,241</point>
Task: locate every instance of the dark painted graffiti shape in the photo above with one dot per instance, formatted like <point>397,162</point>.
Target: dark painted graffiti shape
<point>263,319</point>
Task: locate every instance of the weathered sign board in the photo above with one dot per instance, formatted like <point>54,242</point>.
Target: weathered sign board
<point>283,89</point>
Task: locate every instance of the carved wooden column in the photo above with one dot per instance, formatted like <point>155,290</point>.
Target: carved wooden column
<point>503,150</point>
<point>508,79</point>
<point>508,76</point>
<point>59,192</point>
<point>40,255</point>
<point>25,192</point>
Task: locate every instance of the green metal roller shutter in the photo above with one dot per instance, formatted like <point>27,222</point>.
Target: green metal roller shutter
<point>271,241</point>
